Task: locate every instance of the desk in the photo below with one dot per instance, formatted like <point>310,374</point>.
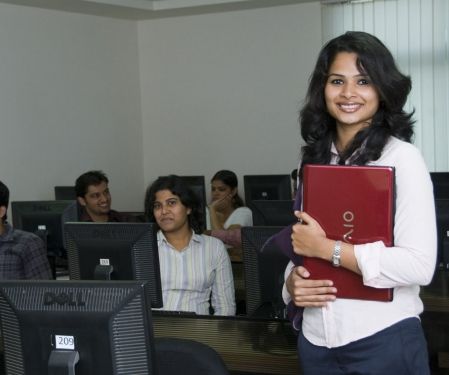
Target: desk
<point>246,345</point>
<point>269,346</point>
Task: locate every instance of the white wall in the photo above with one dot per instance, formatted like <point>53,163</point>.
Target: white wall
<point>223,90</point>
<point>69,102</point>
<point>218,91</point>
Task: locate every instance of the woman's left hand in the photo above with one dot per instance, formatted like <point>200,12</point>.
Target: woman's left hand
<point>307,235</point>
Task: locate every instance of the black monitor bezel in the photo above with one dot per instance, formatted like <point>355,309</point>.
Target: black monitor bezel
<point>103,313</point>
<point>21,210</point>
<point>273,212</point>
<point>144,254</point>
<point>65,192</point>
<point>280,182</point>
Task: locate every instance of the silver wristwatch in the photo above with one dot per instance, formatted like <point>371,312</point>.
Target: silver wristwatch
<point>336,254</point>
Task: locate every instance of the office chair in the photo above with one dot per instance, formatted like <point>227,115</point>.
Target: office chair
<point>188,357</point>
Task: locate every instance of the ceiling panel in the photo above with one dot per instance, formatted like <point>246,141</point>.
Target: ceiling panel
<point>146,9</point>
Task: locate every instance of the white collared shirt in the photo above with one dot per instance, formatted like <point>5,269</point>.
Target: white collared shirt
<point>404,267</point>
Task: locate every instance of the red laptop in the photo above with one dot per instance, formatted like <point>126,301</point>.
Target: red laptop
<point>354,204</point>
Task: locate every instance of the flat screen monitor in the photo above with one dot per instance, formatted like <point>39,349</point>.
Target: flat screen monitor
<point>264,273</point>
<point>43,218</point>
<point>267,187</point>
<point>76,327</point>
<point>65,193</point>
<point>115,251</point>
<point>273,212</point>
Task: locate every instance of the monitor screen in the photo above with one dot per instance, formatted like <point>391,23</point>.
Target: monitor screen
<point>76,327</point>
<point>264,272</point>
<point>114,251</point>
<point>267,187</point>
<point>273,212</point>
<point>65,193</point>
<point>43,218</point>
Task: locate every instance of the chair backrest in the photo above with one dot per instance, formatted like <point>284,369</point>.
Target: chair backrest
<point>264,266</point>
<point>188,357</point>
<point>71,214</point>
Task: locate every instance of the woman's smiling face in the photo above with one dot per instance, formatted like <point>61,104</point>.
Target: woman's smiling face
<point>351,98</point>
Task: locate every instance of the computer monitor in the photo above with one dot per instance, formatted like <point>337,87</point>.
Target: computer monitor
<point>115,251</point>
<point>273,212</point>
<point>65,193</point>
<point>76,327</point>
<point>442,213</point>
<point>267,187</point>
<point>264,272</point>
<point>43,218</point>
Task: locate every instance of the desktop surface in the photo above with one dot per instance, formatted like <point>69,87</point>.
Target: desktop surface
<point>268,346</point>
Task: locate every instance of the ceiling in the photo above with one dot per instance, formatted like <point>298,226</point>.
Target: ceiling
<point>146,9</point>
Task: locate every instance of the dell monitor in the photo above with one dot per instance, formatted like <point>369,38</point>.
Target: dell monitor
<point>264,267</point>
<point>65,193</point>
<point>115,251</point>
<point>76,328</point>
<point>43,218</point>
<point>267,187</point>
<point>273,212</point>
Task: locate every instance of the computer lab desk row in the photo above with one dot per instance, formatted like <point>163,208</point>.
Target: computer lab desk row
<point>263,346</point>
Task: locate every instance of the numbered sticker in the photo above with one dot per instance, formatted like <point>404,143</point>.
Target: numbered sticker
<point>104,262</point>
<point>65,342</point>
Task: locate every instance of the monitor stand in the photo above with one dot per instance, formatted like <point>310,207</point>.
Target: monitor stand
<point>62,362</point>
<point>102,272</point>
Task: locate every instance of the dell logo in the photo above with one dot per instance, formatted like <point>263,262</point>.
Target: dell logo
<point>70,299</point>
<point>348,224</point>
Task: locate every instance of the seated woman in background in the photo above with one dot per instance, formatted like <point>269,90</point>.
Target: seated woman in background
<point>195,268</point>
<point>226,212</point>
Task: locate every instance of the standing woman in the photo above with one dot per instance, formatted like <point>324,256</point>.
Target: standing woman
<point>353,114</point>
<point>227,212</point>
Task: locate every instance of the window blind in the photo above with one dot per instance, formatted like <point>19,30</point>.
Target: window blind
<point>416,32</point>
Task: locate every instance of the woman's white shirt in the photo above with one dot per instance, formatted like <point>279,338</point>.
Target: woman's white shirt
<point>242,216</point>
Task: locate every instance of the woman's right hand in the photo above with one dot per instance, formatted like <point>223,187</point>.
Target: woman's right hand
<point>309,293</point>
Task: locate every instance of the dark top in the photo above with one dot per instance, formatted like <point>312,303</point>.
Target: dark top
<point>22,256</point>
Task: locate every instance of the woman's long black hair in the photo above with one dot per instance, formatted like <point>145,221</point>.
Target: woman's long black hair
<point>188,198</point>
<point>318,128</point>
